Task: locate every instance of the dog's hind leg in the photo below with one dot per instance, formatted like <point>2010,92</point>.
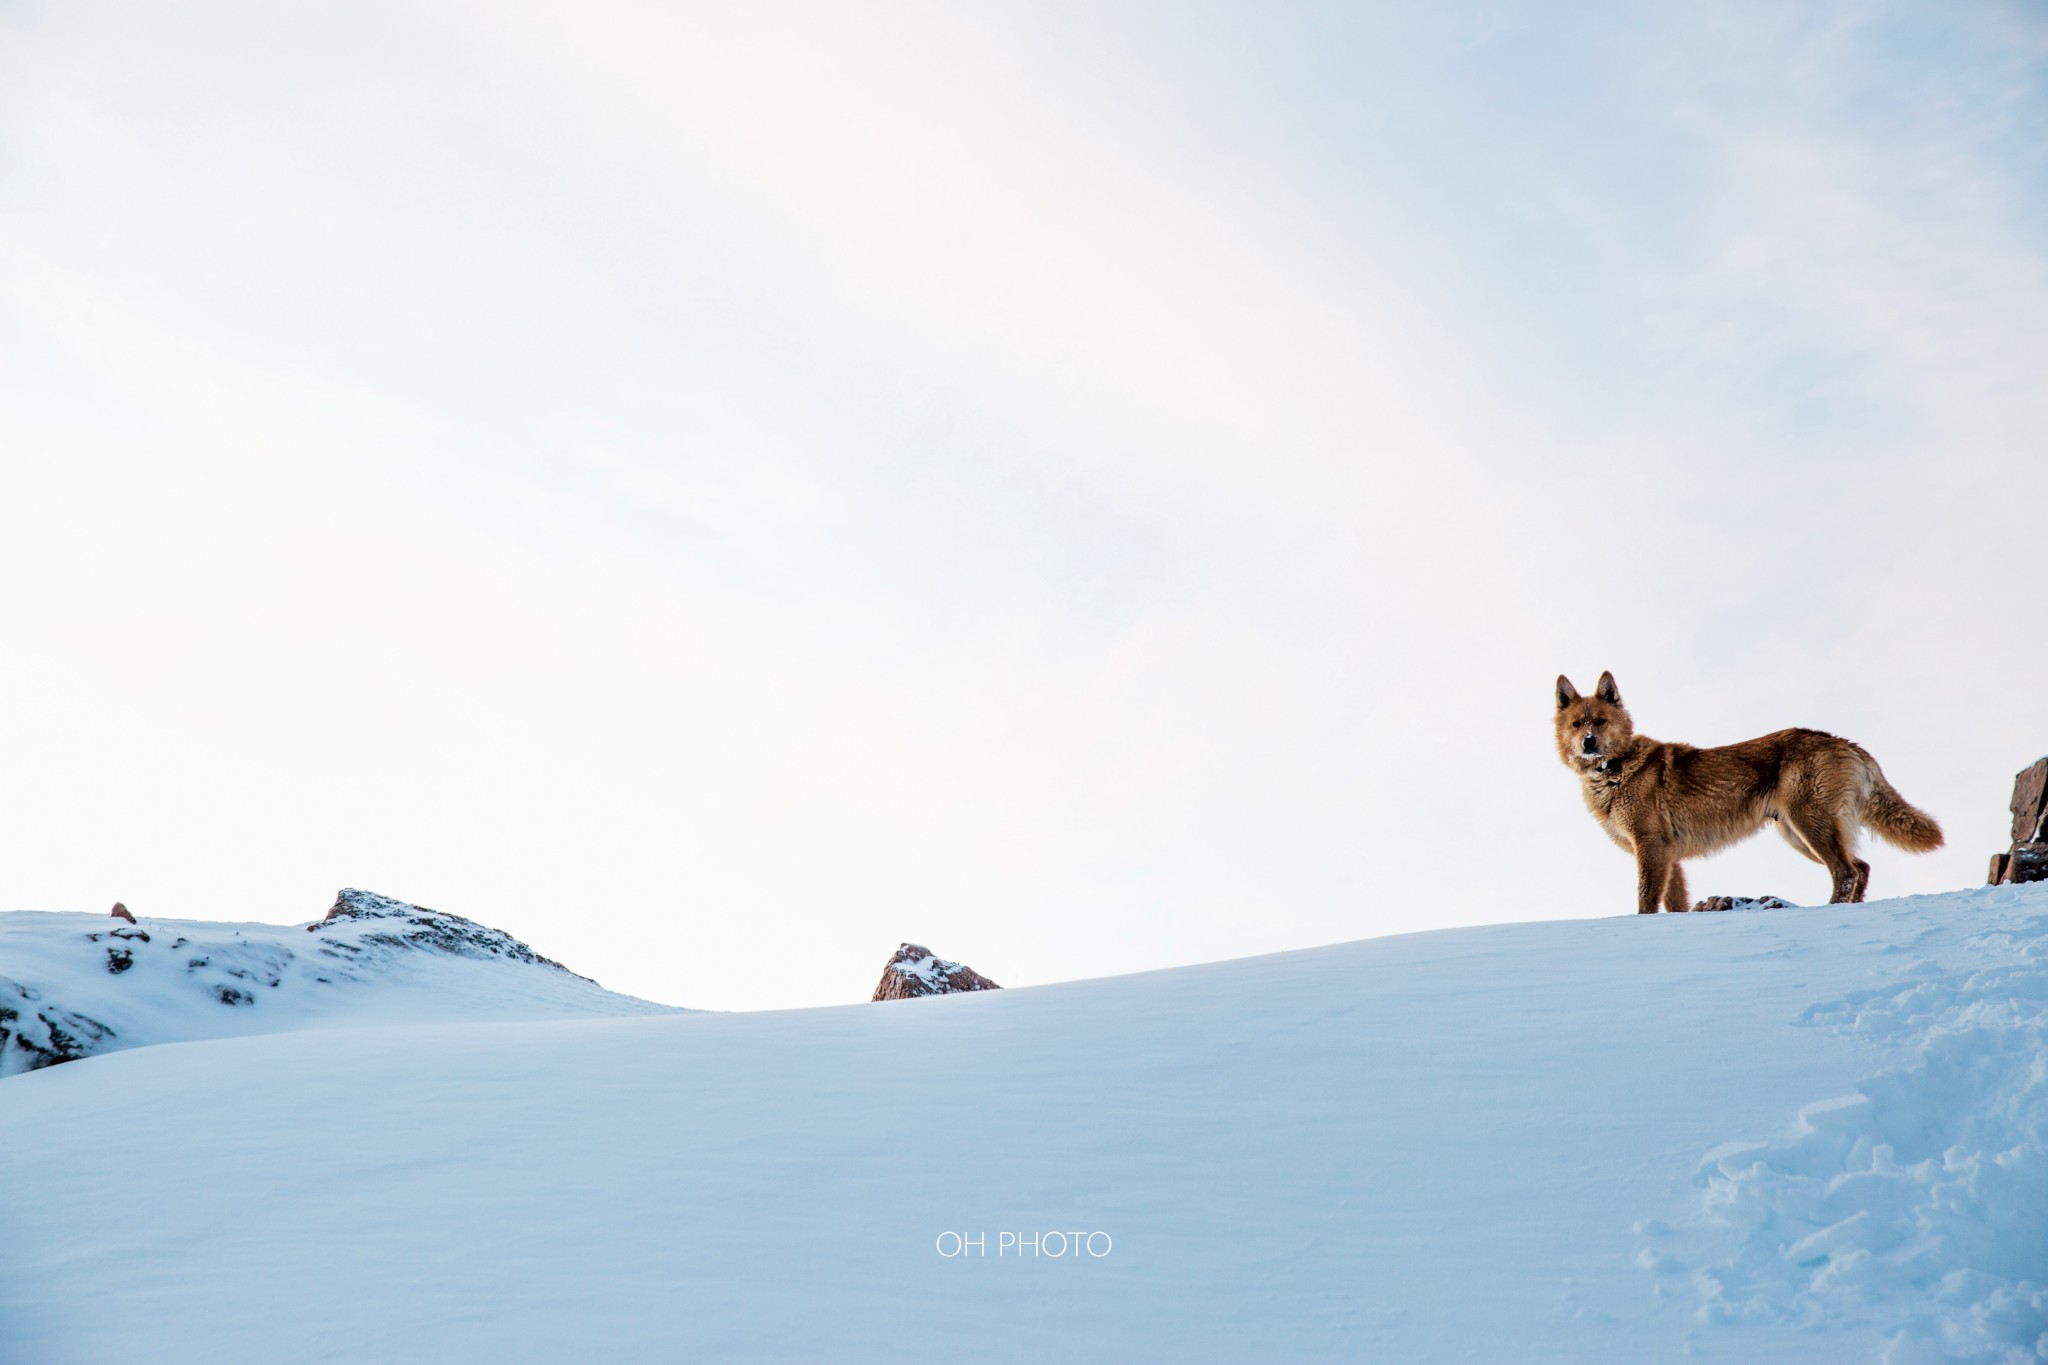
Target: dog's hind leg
<point>1862,880</point>
<point>1820,838</point>
<point>1798,844</point>
<point>1674,889</point>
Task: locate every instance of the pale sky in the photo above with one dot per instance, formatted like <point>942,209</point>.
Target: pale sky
<point>718,490</point>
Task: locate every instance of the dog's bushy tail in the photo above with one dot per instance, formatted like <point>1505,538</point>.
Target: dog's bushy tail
<point>1897,822</point>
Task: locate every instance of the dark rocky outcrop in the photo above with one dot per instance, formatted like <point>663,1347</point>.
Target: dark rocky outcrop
<point>915,970</point>
<point>2027,859</point>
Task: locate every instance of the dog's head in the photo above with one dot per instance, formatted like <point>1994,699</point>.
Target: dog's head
<point>1591,729</point>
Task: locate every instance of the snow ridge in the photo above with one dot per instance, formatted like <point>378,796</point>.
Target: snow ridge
<point>72,992</point>
<point>1914,1204</point>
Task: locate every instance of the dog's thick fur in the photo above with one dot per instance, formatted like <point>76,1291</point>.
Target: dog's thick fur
<point>1668,802</point>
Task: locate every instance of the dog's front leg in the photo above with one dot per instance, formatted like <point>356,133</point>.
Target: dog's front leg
<point>1653,865</point>
<point>1674,889</point>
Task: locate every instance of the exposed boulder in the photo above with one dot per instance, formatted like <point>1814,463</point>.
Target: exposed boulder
<point>2027,859</point>
<point>1742,903</point>
<point>915,970</point>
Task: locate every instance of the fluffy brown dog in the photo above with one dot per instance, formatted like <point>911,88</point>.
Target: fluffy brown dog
<point>1668,802</point>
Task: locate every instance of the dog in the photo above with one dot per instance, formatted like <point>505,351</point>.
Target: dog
<point>1668,802</point>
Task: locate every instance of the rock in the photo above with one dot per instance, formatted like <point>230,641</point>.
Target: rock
<point>120,911</point>
<point>916,971</point>
<point>2028,862</point>
<point>2029,797</point>
<point>2027,859</point>
<point>1742,903</point>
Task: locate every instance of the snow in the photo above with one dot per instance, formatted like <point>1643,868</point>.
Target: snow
<point>1791,1135</point>
<point>929,970</point>
<point>1926,1189</point>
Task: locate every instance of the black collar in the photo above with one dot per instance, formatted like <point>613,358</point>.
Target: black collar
<point>1608,767</point>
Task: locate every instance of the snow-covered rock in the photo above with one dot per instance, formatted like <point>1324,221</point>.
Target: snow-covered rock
<point>1719,903</point>
<point>74,985</point>
<point>915,970</point>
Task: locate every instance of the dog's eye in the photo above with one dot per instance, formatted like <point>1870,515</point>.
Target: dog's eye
<point>1598,723</point>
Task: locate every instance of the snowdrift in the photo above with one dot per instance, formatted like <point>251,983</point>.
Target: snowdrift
<point>1798,1135</point>
<point>75,985</point>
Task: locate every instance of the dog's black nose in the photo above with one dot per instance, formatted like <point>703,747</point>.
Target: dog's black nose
<point>1591,746</point>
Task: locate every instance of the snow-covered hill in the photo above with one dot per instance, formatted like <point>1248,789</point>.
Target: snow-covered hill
<point>1801,1135</point>
<point>75,985</point>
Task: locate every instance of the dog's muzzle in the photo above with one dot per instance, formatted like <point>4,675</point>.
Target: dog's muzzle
<point>1591,745</point>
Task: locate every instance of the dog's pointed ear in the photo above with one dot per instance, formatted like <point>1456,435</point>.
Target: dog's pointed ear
<point>1607,691</point>
<point>1566,693</point>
